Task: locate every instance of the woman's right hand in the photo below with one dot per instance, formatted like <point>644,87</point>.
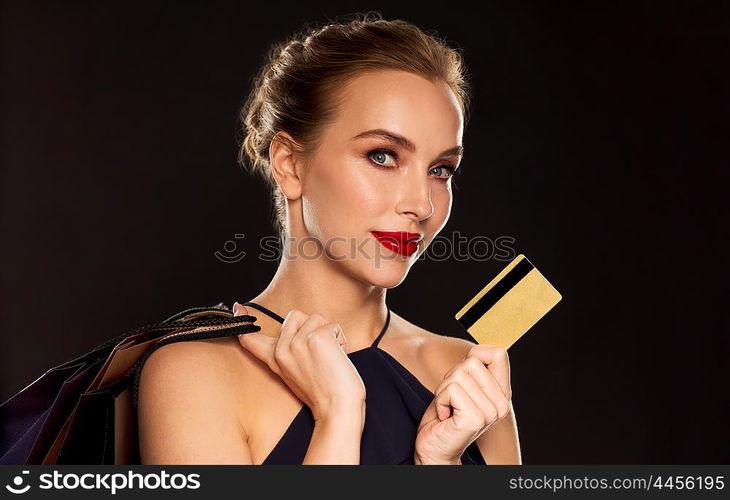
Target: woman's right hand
<point>310,356</point>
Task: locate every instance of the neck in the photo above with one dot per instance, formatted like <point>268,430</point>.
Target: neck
<point>318,286</point>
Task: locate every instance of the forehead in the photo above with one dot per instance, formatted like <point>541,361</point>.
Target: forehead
<point>404,102</point>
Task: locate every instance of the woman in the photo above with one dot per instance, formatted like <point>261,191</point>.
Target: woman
<point>357,127</point>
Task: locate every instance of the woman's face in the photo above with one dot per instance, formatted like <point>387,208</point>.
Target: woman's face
<point>359,181</point>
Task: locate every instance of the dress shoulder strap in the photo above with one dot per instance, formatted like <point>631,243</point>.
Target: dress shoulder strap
<point>281,320</point>
<point>265,310</point>
<point>380,335</point>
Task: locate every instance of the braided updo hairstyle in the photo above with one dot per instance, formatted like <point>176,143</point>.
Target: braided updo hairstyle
<point>296,89</point>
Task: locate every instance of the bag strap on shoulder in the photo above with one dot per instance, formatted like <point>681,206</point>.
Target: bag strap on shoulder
<point>219,309</point>
<point>195,323</point>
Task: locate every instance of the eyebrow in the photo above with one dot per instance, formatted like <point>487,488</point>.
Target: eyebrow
<point>404,142</point>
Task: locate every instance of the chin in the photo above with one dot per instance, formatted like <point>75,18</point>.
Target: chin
<point>389,275</point>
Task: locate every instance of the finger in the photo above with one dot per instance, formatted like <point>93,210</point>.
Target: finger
<point>454,396</point>
<point>497,361</point>
<point>262,347</point>
<point>463,375</point>
<point>487,383</point>
<point>487,407</point>
<point>340,336</point>
<point>291,325</point>
<point>303,333</point>
<point>239,310</point>
<point>313,322</point>
<point>323,335</point>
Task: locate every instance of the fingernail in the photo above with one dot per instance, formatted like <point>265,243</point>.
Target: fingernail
<point>236,305</point>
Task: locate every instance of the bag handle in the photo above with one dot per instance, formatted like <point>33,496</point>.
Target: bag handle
<point>225,326</point>
<point>218,309</point>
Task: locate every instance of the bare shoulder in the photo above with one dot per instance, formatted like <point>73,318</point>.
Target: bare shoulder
<point>184,388</point>
<point>199,357</point>
<point>202,367</point>
<point>435,351</point>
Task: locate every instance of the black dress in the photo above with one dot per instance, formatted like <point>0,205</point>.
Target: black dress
<point>396,401</point>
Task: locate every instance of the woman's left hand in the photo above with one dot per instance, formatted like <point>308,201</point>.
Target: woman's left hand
<point>479,392</point>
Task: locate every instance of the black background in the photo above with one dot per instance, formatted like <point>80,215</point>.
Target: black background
<point>598,141</point>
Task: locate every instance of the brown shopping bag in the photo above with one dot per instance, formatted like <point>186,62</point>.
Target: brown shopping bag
<point>84,411</point>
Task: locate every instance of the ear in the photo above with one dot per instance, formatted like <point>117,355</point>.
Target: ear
<point>286,165</point>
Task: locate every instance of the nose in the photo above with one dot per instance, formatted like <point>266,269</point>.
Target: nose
<point>415,199</point>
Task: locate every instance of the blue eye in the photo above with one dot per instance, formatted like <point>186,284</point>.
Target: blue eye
<point>379,156</point>
<point>449,168</point>
<point>381,153</point>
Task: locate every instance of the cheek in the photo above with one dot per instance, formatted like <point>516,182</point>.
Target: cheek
<point>358,190</point>
<point>367,192</point>
<point>342,196</point>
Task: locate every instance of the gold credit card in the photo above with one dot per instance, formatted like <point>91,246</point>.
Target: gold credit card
<point>509,305</point>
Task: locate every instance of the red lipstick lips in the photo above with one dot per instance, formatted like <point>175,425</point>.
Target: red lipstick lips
<point>401,242</point>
